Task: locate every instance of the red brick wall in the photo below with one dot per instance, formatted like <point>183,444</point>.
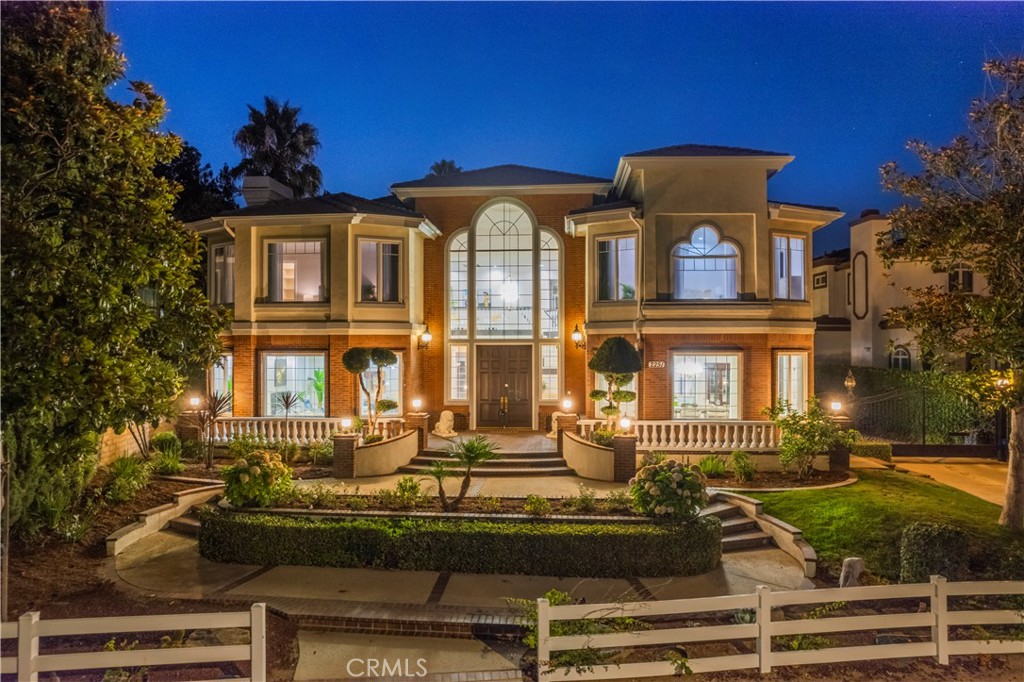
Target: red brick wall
<point>757,381</point>
<point>450,214</point>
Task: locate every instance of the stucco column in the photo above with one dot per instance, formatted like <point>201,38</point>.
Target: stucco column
<point>624,446</point>
<point>345,455</point>
<point>564,422</point>
<point>419,421</point>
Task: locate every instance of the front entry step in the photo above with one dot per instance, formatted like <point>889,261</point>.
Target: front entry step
<point>534,463</point>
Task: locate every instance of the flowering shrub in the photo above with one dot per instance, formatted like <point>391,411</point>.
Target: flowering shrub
<point>670,490</point>
<point>256,479</point>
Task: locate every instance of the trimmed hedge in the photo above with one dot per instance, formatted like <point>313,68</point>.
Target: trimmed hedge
<point>928,549</point>
<point>876,449</point>
<point>556,549</point>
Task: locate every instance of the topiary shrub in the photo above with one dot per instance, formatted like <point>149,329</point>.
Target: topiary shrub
<point>166,441</point>
<point>617,360</point>
<point>928,549</point>
<point>556,549</point>
<point>257,479</point>
<point>868,448</point>
<point>669,490</point>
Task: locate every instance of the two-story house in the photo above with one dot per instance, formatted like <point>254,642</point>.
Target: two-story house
<point>494,287</point>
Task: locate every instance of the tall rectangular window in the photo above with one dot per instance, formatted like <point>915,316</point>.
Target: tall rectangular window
<point>616,269</point>
<point>625,409</point>
<point>791,380</point>
<point>458,373</point>
<point>549,372</point>
<point>295,271</point>
<point>379,269</point>
<point>458,287</point>
<point>706,386</point>
<point>221,375</point>
<point>789,268</point>
<point>222,286</point>
<point>302,375</point>
<point>392,388</point>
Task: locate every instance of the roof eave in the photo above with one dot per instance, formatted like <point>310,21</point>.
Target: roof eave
<point>820,217</point>
<point>478,190</point>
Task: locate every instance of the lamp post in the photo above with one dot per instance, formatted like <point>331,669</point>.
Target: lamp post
<point>851,383</point>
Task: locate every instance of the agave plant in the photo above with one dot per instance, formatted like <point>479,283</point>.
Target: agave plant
<point>288,401</point>
<point>215,406</point>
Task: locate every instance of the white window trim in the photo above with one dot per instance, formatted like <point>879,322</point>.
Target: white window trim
<point>673,258</point>
<point>559,376</point>
<point>470,291</point>
<point>618,283</point>
<point>448,399</point>
<point>380,259</point>
<point>213,273</point>
<point>789,263</point>
<point>324,266</point>
<point>262,356</point>
<point>801,405</point>
<point>740,361</point>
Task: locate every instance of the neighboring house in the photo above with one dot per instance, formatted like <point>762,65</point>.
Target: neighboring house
<point>853,291</point>
<point>682,252</point>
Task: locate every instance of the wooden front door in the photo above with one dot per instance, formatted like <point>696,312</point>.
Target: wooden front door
<point>503,387</point>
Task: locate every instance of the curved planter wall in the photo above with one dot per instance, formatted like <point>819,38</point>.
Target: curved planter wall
<point>381,459</point>
<point>587,459</point>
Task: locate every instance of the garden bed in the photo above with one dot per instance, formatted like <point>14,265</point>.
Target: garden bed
<point>780,479</point>
<point>557,549</point>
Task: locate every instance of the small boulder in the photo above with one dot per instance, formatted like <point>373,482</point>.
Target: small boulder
<point>852,568</point>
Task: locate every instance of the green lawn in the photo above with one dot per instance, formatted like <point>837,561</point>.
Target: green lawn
<point>865,519</point>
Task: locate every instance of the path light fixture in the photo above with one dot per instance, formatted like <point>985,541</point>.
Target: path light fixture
<point>417,404</point>
<point>577,337</point>
<point>836,406</point>
<point>425,338</point>
<point>567,404</point>
<point>346,424</point>
<point>194,402</point>
<point>625,423</point>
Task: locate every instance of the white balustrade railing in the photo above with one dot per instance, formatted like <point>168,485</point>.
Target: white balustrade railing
<point>697,436</point>
<point>299,430</point>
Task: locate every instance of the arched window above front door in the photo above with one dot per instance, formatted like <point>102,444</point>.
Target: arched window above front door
<point>504,280</point>
<point>705,267</point>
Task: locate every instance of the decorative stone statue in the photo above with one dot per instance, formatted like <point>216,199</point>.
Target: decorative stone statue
<point>445,425</point>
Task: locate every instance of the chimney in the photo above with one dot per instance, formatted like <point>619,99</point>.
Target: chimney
<point>258,190</point>
<point>869,212</point>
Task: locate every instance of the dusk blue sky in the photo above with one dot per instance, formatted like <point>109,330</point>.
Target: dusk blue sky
<point>394,87</point>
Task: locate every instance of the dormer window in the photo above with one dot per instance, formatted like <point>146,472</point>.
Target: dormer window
<point>704,268</point>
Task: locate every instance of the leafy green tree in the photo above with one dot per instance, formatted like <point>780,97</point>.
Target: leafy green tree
<point>966,206</point>
<point>102,317</point>
<point>617,361</point>
<point>444,167</point>
<point>274,143</point>
<point>202,194</point>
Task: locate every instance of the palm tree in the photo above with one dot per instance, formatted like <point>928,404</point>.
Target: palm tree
<point>276,144</point>
<point>468,454</point>
<point>444,167</point>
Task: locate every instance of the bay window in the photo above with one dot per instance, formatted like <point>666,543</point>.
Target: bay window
<point>379,270</point>
<point>296,271</point>
<point>616,269</point>
<point>789,268</point>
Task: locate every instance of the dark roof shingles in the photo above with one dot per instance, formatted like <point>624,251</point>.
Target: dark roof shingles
<point>704,150</point>
<point>507,175</point>
<point>338,202</point>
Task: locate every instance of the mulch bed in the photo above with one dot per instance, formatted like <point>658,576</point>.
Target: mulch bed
<point>62,580</point>
<point>780,479</point>
<point>303,471</point>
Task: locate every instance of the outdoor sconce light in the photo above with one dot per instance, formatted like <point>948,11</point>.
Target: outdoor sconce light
<point>850,382</point>
<point>836,406</point>
<point>425,338</point>
<point>625,423</point>
<point>1002,383</point>
<point>567,404</point>
<point>346,424</point>
<point>577,337</point>
<point>417,404</point>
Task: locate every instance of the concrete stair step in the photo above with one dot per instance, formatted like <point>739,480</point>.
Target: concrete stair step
<point>536,454</point>
<point>563,470</point>
<point>504,463</point>
<point>722,510</point>
<point>747,540</point>
<point>185,525</point>
<point>738,524</point>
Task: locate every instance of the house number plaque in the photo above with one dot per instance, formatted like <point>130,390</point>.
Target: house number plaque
<point>656,364</point>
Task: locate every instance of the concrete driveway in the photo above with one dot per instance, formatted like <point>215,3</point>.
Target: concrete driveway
<point>984,478</point>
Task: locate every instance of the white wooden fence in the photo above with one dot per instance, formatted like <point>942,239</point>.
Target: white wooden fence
<point>697,436</point>
<point>300,430</point>
<point>29,629</point>
<point>938,618</point>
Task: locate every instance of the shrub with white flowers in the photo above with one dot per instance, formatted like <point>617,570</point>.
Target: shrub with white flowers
<point>669,490</point>
<point>256,479</point>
